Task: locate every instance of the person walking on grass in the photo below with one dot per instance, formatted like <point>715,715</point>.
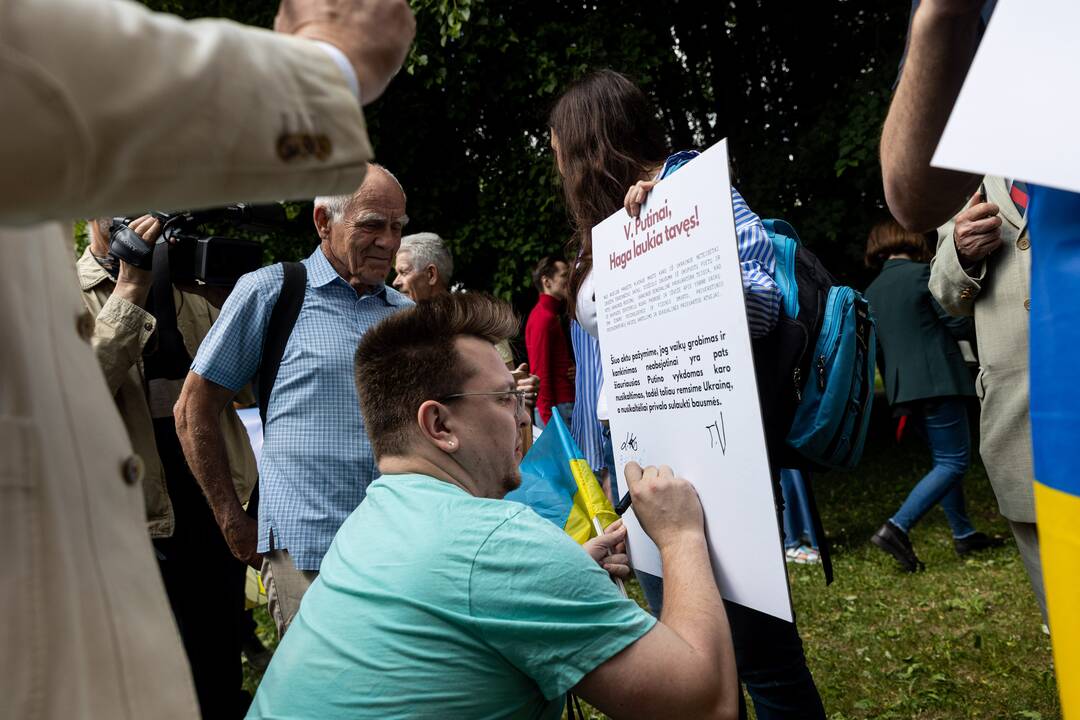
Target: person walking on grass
<point>927,381</point>
<point>800,541</point>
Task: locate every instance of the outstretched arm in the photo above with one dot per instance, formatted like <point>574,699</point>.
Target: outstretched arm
<point>224,111</point>
<point>944,34</point>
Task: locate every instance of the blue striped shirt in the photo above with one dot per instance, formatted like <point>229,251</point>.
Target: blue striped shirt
<point>316,461</point>
<point>588,379</point>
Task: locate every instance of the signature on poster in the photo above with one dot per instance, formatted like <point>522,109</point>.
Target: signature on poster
<point>718,434</point>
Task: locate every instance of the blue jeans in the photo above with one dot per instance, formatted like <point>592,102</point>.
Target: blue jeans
<point>609,458</point>
<point>797,521</point>
<point>944,424</point>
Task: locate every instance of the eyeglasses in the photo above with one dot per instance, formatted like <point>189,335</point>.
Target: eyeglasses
<point>519,395</point>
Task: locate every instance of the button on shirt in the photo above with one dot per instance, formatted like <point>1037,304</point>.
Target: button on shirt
<point>316,459</point>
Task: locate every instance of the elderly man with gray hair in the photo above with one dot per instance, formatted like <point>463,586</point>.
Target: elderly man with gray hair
<point>424,266</point>
<point>316,460</point>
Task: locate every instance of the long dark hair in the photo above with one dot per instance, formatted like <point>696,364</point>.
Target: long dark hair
<point>609,137</point>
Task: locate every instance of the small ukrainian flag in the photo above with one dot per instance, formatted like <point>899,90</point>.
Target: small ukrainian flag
<point>559,485</point>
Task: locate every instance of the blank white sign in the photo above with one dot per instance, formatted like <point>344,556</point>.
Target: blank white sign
<point>1018,114</point>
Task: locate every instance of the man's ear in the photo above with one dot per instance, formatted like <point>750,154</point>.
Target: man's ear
<point>432,275</point>
<point>322,219</point>
<point>435,422</point>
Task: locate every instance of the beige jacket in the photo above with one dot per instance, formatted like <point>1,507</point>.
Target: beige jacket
<point>997,292</point>
<point>120,334</point>
<point>109,108</point>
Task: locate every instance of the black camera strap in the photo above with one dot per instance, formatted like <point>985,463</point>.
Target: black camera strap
<point>169,358</point>
<point>278,330</point>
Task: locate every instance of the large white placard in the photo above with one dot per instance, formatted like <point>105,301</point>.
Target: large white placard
<point>1016,114</point>
<point>679,373</point>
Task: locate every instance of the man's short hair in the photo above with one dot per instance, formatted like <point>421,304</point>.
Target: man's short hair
<point>547,267</point>
<point>410,357</point>
<point>337,204</point>
<point>429,249</point>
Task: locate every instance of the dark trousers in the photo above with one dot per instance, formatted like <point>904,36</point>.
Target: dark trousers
<point>205,585</point>
<point>771,664</point>
<point>768,656</point>
<point>768,651</point>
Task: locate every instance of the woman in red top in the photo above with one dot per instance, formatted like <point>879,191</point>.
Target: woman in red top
<point>550,356</point>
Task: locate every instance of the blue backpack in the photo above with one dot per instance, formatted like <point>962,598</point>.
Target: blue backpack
<point>815,370</point>
<point>827,339</point>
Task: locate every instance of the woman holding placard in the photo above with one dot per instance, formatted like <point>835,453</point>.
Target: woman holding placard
<point>610,150</point>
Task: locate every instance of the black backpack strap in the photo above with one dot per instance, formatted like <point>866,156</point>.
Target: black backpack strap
<point>819,530</point>
<point>278,330</point>
<point>282,319</point>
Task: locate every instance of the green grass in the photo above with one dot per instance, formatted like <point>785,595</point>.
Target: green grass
<point>960,640</point>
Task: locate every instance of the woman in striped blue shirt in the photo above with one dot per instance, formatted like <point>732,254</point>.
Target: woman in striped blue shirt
<point>610,149</point>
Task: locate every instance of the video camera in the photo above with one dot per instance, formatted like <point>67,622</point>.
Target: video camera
<point>194,256</point>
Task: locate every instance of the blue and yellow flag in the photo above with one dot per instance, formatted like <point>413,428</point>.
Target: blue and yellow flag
<point>559,485</point>
<point>1054,224</point>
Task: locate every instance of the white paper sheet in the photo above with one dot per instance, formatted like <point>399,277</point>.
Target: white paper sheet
<point>1016,115</point>
<point>679,373</point>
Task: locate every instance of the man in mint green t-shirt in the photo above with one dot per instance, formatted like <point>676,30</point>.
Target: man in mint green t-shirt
<point>438,598</point>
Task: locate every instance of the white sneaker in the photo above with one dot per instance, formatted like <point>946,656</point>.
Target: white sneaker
<point>803,555</point>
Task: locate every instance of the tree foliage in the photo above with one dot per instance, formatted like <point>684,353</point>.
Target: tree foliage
<point>800,90</point>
